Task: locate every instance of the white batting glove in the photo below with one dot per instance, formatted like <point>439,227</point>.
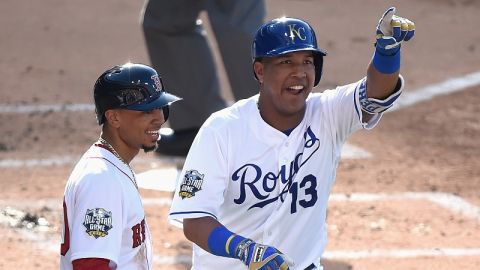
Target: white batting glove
<point>392,30</point>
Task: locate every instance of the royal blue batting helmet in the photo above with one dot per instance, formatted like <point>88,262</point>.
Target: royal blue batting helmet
<point>133,87</point>
<point>285,35</point>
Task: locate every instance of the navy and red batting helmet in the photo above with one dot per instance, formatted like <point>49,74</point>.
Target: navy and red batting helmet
<point>133,87</point>
<point>285,35</point>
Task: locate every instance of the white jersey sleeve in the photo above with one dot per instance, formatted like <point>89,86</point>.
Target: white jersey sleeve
<point>97,217</point>
<point>104,215</point>
<point>209,157</point>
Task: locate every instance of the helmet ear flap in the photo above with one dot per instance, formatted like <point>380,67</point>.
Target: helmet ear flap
<point>318,62</point>
<point>100,117</point>
<point>166,112</point>
<point>259,60</point>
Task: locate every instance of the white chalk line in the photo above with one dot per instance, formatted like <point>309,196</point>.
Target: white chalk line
<point>45,162</point>
<point>5,108</point>
<point>401,253</point>
<point>55,204</point>
<point>354,255</point>
<point>429,92</point>
<point>159,259</point>
<point>407,98</point>
<point>451,202</point>
<point>349,151</point>
<point>448,201</point>
<point>64,160</point>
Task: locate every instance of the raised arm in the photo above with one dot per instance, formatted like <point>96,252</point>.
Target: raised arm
<point>383,81</point>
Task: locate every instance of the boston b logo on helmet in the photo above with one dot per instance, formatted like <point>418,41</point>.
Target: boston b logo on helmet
<point>285,35</point>
<point>133,87</point>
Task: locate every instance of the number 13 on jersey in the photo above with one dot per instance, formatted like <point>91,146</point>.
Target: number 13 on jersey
<point>307,187</point>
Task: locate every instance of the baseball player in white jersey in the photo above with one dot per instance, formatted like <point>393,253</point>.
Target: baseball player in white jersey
<point>255,184</point>
<point>104,220</point>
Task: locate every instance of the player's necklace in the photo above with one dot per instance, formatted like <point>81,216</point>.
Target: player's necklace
<point>112,150</point>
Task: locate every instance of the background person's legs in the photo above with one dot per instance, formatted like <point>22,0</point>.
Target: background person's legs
<point>179,50</point>
<point>235,24</point>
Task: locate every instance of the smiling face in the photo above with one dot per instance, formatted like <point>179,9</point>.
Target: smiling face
<point>140,129</point>
<point>128,131</point>
<point>285,83</point>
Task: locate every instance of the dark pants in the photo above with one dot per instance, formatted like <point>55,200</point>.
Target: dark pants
<point>179,51</point>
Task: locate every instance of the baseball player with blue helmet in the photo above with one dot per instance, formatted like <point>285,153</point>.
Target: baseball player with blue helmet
<point>254,188</point>
<point>104,224</point>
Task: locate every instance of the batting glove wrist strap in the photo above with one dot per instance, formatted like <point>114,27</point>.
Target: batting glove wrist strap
<point>386,64</point>
<point>225,243</point>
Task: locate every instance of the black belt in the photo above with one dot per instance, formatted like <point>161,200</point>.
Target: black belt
<point>311,267</point>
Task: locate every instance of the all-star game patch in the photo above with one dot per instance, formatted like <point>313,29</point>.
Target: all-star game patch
<point>98,222</point>
<point>192,182</point>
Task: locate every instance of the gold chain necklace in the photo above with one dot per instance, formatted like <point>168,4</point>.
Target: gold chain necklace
<point>112,150</point>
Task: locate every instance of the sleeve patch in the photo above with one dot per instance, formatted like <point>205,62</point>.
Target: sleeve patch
<point>191,183</point>
<point>98,222</point>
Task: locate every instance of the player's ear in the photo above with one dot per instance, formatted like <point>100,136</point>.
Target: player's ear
<point>258,68</point>
<point>112,117</point>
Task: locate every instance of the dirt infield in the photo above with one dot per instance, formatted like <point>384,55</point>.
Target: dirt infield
<point>413,204</point>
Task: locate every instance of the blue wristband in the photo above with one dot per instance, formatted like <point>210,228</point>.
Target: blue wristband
<point>386,64</point>
<point>223,242</point>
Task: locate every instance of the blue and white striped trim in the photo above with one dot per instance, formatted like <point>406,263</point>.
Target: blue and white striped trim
<point>373,105</point>
<point>193,213</point>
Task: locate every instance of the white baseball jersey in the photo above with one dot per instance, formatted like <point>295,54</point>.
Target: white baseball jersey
<point>103,214</point>
<point>263,184</point>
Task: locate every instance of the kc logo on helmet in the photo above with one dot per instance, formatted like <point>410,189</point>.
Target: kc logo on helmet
<point>158,83</point>
<point>296,32</point>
